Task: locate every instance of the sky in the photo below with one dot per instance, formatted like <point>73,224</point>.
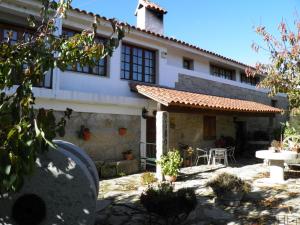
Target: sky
<point>222,26</point>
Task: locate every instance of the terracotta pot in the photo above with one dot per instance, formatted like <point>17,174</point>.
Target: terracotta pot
<point>187,162</point>
<point>122,131</point>
<point>128,156</point>
<point>86,135</point>
<point>170,178</point>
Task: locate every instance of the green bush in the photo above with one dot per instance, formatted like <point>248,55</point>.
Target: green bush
<point>148,178</point>
<point>170,163</point>
<point>225,183</point>
<point>167,203</point>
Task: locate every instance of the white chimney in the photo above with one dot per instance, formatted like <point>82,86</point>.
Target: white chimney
<point>150,16</point>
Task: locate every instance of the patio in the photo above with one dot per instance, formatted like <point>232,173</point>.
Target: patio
<point>119,198</point>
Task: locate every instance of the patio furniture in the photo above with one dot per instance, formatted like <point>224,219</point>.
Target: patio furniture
<point>231,153</point>
<point>217,155</point>
<point>201,154</point>
<point>276,163</point>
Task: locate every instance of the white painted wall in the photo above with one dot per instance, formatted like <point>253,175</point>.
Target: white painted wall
<point>91,89</point>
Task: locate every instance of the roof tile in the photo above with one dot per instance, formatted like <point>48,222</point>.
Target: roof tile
<point>173,97</point>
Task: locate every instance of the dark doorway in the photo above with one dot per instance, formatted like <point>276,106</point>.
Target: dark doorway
<point>151,144</point>
<point>240,136</point>
<point>151,130</point>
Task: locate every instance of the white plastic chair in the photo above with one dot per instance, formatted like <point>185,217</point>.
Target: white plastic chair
<point>231,153</point>
<point>201,154</point>
<point>219,155</point>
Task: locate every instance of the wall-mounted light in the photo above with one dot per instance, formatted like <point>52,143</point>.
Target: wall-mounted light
<point>145,113</point>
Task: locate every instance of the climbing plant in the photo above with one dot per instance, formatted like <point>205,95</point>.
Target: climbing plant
<point>25,130</point>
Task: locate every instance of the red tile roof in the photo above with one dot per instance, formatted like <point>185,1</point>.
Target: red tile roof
<point>167,38</point>
<point>173,97</point>
<point>154,6</point>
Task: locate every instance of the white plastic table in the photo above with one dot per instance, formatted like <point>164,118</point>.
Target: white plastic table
<point>276,160</point>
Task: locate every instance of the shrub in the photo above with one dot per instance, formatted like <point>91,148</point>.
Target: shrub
<point>166,203</point>
<point>148,178</point>
<point>170,163</point>
<point>225,183</point>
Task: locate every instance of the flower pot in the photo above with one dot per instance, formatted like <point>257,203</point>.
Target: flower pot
<point>187,162</point>
<point>128,156</point>
<point>122,131</point>
<point>170,178</point>
<point>86,135</point>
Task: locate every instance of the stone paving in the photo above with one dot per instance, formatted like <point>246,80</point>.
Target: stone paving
<point>118,202</point>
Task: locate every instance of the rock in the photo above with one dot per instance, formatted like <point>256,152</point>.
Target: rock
<point>102,204</point>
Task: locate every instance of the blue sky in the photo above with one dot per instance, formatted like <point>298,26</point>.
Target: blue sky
<point>222,26</point>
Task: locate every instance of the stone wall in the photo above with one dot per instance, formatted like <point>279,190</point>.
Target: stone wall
<point>105,144</point>
<point>203,86</point>
<point>188,129</point>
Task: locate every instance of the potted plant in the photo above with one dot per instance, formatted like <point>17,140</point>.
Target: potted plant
<point>276,146</point>
<point>229,189</point>
<point>84,133</point>
<point>127,155</point>
<point>173,206</point>
<point>188,157</point>
<point>170,164</point>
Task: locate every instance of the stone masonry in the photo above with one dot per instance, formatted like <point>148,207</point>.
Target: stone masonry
<point>203,86</point>
<point>105,144</point>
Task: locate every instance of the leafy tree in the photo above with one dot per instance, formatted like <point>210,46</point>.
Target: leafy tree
<point>282,73</point>
<point>26,132</point>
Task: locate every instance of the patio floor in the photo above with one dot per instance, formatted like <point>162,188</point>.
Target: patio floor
<point>119,198</point>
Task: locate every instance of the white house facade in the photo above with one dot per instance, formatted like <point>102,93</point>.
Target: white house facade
<point>120,98</point>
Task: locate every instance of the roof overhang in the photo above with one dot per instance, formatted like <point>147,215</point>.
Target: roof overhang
<point>172,98</point>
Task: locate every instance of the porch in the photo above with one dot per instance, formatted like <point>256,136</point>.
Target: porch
<point>199,120</point>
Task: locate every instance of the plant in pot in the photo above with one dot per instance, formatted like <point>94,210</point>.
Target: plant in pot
<point>127,155</point>
<point>229,189</point>
<point>173,206</point>
<point>170,164</point>
<point>276,146</point>
<point>84,133</point>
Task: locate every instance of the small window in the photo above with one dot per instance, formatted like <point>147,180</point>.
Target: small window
<point>274,103</point>
<point>209,128</point>
<point>249,79</point>
<point>222,72</point>
<point>188,64</point>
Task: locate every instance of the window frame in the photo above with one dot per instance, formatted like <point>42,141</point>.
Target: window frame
<point>90,69</point>
<point>189,61</point>
<point>20,32</point>
<point>232,76</point>
<point>152,76</point>
<point>249,80</point>
<point>209,120</point>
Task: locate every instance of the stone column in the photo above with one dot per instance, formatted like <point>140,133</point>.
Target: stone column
<point>143,143</point>
<point>162,138</point>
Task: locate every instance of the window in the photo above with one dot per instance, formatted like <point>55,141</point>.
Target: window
<point>188,64</point>
<point>249,79</point>
<point>137,64</point>
<point>274,103</point>
<point>17,34</point>
<point>222,72</point>
<point>101,66</point>
<point>209,128</point>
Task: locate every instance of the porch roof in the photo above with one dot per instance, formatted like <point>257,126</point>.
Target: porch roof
<point>172,97</point>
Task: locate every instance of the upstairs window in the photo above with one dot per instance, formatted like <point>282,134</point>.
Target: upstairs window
<point>249,79</point>
<point>222,72</point>
<point>18,34</point>
<point>137,64</point>
<point>188,64</point>
<point>101,66</point>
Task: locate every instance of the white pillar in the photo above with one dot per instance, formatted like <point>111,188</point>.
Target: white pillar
<point>162,138</point>
<point>56,72</point>
<point>143,143</point>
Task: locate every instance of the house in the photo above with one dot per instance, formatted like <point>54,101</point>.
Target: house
<point>154,89</point>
